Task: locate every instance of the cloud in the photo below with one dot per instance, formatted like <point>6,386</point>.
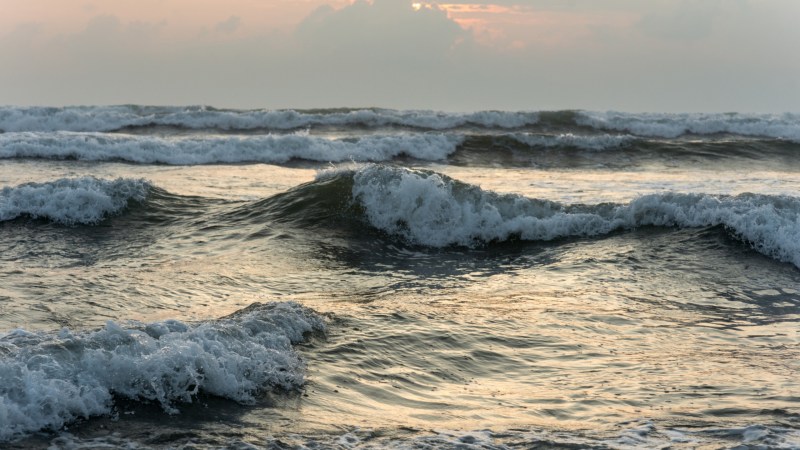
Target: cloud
<point>229,25</point>
<point>662,55</point>
<point>108,33</point>
<point>367,53</point>
<point>389,31</point>
<point>24,33</point>
<point>686,20</point>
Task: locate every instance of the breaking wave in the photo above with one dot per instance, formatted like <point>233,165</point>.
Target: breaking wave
<point>71,201</point>
<point>223,149</point>
<point>431,209</point>
<point>429,146</point>
<point>778,126</point>
<point>114,118</point>
<point>50,380</point>
<point>110,118</point>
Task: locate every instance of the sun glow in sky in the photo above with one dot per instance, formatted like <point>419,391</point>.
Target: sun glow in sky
<point>659,55</point>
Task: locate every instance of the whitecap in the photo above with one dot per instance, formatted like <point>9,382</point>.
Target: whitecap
<point>71,201</point>
<point>430,209</point>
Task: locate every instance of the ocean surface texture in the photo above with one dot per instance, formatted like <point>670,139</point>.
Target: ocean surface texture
<point>191,277</point>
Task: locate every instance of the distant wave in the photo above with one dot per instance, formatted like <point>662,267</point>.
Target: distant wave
<point>110,118</point>
<point>50,380</point>
<point>779,126</point>
<point>223,149</point>
<point>428,146</point>
<point>431,209</point>
<point>71,201</point>
<point>114,118</point>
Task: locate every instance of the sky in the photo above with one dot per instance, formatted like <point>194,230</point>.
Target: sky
<point>627,55</point>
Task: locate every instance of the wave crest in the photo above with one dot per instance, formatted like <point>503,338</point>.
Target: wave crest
<point>431,209</point>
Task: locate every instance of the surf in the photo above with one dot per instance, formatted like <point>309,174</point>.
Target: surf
<point>53,379</point>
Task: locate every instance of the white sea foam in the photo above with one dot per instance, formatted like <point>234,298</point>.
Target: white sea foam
<point>779,126</point>
<point>108,118</point>
<point>583,142</point>
<point>431,209</point>
<point>71,201</point>
<point>50,380</point>
<point>223,149</point>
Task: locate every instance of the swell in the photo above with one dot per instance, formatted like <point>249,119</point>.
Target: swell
<point>52,379</point>
<point>325,202</point>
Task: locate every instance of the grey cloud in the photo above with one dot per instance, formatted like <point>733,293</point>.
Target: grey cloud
<point>24,33</point>
<point>106,25</point>
<point>105,31</point>
<point>686,20</point>
<point>229,25</point>
<point>365,54</point>
<point>385,30</point>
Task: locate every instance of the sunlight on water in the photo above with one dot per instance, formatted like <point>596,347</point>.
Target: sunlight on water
<point>621,186</point>
<point>584,341</point>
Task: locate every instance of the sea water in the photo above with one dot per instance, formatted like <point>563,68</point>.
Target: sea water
<point>191,277</point>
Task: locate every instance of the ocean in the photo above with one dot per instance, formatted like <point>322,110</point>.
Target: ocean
<point>192,277</point>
